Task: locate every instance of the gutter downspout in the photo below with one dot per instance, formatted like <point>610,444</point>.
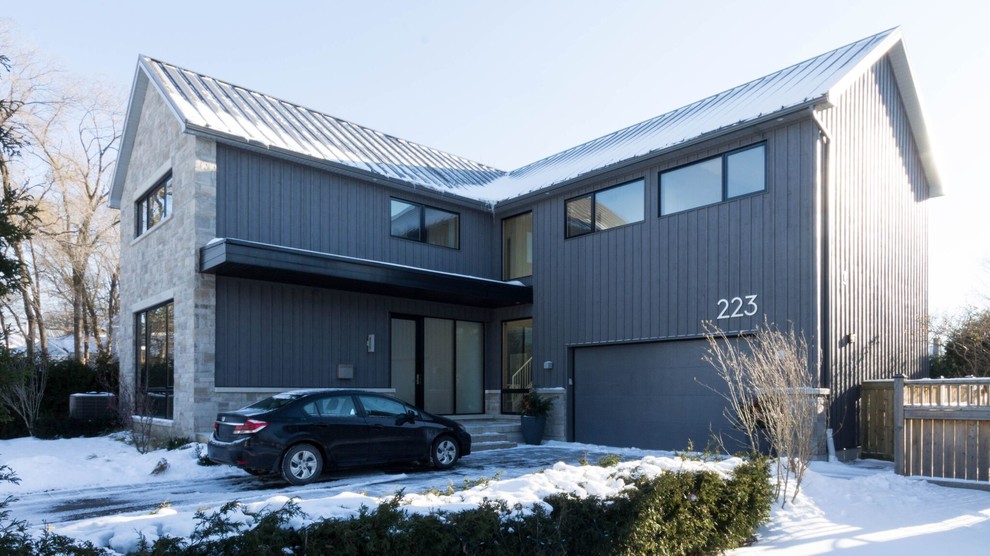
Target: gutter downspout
<point>826,177</point>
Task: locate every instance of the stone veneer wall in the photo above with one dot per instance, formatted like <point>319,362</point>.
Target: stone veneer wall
<point>557,420</point>
<point>163,263</point>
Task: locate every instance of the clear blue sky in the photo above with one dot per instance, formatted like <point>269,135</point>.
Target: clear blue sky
<point>507,83</point>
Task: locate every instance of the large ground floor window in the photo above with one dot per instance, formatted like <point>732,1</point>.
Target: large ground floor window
<point>155,365</point>
<point>517,363</point>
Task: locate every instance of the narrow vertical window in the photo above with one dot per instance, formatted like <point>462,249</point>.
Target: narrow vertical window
<point>517,363</point>
<point>517,246</point>
<point>154,206</point>
<point>155,361</point>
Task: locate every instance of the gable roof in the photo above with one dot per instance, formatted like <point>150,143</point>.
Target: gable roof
<point>816,82</point>
<point>207,106</point>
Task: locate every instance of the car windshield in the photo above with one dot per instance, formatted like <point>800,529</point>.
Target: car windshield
<point>274,402</point>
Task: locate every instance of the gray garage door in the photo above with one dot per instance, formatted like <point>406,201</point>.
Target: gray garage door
<point>650,395</point>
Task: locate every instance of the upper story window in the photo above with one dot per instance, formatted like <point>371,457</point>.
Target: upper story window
<point>517,246</point>
<point>733,174</point>
<point>154,206</point>
<point>425,223</point>
<point>608,208</point>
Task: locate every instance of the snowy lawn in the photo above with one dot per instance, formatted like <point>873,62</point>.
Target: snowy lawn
<point>861,507</point>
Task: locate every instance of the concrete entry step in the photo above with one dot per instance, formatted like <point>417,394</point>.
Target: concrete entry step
<point>489,433</point>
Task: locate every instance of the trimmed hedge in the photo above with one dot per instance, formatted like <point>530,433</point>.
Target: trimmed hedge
<point>674,513</point>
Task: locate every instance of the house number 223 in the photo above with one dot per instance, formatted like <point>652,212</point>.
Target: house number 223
<point>744,306</point>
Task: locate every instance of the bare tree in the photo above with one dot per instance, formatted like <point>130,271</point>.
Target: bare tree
<point>26,93</point>
<point>22,386</point>
<point>71,138</point>
<point>79,231</point>
<point>772,394</point>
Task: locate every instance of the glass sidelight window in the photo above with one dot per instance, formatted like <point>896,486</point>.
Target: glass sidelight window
<point>517,363</point>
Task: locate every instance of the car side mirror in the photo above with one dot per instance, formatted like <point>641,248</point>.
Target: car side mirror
<point>409,417</point>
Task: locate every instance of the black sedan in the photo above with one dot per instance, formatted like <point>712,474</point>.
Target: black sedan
<point>297,434</point>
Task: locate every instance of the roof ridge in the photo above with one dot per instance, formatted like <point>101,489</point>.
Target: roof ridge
<point>301,107</point>
<point>654,119</point>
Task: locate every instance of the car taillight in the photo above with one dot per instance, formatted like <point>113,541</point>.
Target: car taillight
<point>249,427</point>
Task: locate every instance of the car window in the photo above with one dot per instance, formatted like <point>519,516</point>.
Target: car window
<point>274,402</point>
<point>338,406</point>
<point>382,407</point>
<point>334,406</point>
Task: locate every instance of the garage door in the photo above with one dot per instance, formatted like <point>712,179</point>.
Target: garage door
<point>650,395</point>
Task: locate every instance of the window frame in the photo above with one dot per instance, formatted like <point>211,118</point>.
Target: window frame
<point>511,398</point>
<point>143,205</point>
<point>724,178</point>
<point>531,246</point>
<point>594,207</point>
<point>142,371</point>
<point>422,223</point>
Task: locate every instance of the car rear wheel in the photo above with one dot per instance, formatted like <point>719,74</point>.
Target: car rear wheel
<point>302,464</point>
<point>445,452</point>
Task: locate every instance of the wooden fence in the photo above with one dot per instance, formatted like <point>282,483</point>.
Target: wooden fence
<point>930,428</point>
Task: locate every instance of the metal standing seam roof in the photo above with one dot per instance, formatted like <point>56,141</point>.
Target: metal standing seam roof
<point>210,106</point>
<point>807,83</point>
<point>214,106</point>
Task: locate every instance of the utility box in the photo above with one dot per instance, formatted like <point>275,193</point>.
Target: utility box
<point>92,406</point>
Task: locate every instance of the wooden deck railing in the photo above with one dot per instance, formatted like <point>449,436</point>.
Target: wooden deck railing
<point>930,428</point>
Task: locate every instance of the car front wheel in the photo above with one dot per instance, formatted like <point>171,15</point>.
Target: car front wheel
<point>445,452</point>
<point>302,464</point>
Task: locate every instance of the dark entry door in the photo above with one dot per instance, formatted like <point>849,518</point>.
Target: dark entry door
<point>438,364</point>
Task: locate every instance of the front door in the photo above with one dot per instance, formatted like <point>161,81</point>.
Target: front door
<point>438,364</point>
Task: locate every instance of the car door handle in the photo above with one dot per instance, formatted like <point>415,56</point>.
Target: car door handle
<point>378,427</point>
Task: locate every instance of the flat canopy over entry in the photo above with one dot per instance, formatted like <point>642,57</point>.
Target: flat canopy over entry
<point>274,263</point>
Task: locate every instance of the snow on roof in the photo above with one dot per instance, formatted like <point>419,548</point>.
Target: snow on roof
<point>802,84</point>
<point>209,106</point>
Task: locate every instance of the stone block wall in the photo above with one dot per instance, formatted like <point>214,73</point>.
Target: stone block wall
<point>162,264</point>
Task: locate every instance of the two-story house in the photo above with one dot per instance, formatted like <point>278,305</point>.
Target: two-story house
<point>267,246</point>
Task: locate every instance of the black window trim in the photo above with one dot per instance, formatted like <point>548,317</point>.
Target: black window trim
<point>142,370</point>
<point>142,203</point>
<point>594,205</point>
<point>517,215</point>
<point>422,223</point>
<point>725,178</point>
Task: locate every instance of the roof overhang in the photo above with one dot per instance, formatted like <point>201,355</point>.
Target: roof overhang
<point>893,47</point>
<point>273,263</point>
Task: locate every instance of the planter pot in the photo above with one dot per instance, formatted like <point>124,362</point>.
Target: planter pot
<point>532,429</point>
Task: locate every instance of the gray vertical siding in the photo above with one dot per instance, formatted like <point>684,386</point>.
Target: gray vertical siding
<point>878,279</point>
<point>661,278</point>
<point>282,336</point>
<point>270,200</point>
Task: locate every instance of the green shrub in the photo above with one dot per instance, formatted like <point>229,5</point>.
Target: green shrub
<point>67,377</point>
<point>673,513</point>
<point>609,460</point>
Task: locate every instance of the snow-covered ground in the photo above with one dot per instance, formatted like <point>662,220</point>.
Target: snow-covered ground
<point>102,490</point>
